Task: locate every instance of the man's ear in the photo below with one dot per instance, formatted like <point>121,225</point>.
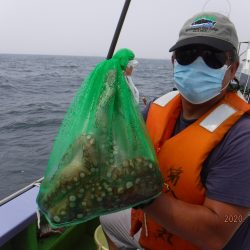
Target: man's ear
<point>236,65</point>
<point>234,68</point>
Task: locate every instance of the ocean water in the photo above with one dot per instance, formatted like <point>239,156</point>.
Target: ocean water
<point>35,92</point>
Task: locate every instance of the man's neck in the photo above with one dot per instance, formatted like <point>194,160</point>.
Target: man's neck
<point>195,111</point>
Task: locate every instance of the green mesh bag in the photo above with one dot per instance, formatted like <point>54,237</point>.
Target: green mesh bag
<point>102,159</point>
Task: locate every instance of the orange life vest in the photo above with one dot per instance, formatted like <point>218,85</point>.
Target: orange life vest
<point>181,158</point>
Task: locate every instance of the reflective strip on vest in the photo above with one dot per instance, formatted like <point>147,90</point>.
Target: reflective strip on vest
<point>217,117</point>
<point>165,99</point>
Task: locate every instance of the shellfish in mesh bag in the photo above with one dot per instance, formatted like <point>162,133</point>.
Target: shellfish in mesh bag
<point>102,159</point>
<point>88,184</point>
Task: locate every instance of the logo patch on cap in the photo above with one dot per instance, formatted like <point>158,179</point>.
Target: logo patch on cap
<point>203,24</point>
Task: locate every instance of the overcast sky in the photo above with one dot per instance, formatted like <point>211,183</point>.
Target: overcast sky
<point>86,27</point>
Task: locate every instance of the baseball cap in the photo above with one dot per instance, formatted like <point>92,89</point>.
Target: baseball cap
<point>208,28</point>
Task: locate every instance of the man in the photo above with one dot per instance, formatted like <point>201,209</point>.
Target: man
<point>202,140</point>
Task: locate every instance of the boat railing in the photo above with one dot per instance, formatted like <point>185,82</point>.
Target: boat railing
<point>21,191</point>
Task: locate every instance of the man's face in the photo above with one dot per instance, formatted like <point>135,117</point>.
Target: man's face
<point>213,58</point>
<point>202,73</point>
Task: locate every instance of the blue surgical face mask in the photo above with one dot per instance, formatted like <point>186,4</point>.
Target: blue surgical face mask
<point>197,82</point>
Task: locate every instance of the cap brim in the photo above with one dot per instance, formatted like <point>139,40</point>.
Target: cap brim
<point>210,41</point>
